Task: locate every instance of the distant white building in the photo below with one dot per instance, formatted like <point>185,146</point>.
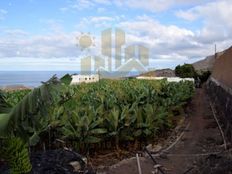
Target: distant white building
<point>169,79</point>
<point>77,79</point>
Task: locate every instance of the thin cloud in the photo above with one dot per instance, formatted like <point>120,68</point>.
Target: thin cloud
<point>3,14</point>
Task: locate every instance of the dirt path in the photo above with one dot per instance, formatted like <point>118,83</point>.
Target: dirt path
<point>201,137</point>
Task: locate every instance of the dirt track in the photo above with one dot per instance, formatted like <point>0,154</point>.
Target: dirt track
<point>200,138</point>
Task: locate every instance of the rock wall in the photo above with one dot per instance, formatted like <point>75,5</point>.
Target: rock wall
<point>221,98</point>
<point>220,90</point>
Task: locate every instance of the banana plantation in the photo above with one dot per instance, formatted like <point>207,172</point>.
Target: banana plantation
<point>109,114</point>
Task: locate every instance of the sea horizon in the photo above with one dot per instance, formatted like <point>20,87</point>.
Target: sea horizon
<point>32,79</point>
<point>29,79</point>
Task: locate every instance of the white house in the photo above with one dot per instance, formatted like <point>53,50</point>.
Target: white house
<point>169,79</point>
<point>77,79</point>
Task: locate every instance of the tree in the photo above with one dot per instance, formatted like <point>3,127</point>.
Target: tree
<point>185,71</point>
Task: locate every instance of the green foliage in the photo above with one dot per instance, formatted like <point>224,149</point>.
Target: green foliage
<point>5,108</point>
<point>37,111</point>
<point>188,71</point>
<point>14,97</point>
<point>23,113</point>
<point>15,152</point>
<point>84,129</point>
<point>203,75</point>
<point>185,71</point>
<point>31,115</point>
<point>109,111</point>
<point>4,105</point>
<point>66,79</point>
<point>125,110</point>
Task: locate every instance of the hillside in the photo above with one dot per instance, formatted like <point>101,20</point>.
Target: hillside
<point>207,63</point>
<point>160,73</point>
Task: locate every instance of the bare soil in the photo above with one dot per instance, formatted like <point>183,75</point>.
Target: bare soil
<point>200,143</point>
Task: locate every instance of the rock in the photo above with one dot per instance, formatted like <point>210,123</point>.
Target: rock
<point>154,148</point>
<point>57,161</point>
<point>149,148</point>
<point>76,166</point>
<point>163,156</point>
<point>157,148</point>
<point>85,160</point>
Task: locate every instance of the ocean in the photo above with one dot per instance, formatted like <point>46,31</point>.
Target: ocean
<point>28,78</point>
<point>34,78</point>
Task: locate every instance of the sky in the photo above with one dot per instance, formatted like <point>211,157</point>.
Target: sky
<point>45,34</point>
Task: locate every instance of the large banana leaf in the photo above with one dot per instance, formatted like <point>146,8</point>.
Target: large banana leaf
<point>30,116</point>
<point>4,106</point>
<point>4,119</point>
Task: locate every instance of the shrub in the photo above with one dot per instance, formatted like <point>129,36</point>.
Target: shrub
<point>185,71</point>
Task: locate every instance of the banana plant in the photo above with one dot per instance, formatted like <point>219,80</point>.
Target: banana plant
<point>84,130</point>
<point>15,152</point>
<point>30,116</point>
<point>116,121</point>
<point>24,122</point>
<point>5,107</point>
<point>14,97</point>
<point>145,122</point>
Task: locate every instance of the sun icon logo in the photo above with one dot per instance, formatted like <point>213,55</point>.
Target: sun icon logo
<point>85,41</point>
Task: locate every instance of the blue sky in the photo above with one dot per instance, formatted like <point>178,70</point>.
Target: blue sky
<point>41,34</point>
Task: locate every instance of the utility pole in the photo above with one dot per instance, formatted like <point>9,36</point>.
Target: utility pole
<point>98,72</point>
<point>215,51</point>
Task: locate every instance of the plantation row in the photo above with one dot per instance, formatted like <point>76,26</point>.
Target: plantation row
<point>125,110</point>
<point>105,114</point>
<point>118,112</point>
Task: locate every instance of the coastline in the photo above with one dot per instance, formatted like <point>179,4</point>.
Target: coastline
<point>15,88</point>
<point>27,79</point>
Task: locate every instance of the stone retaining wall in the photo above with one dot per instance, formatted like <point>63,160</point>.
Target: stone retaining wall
<point>221,97</point>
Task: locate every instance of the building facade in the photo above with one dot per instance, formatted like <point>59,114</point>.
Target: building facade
<point>77,79</point>
<point>169,79</point>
